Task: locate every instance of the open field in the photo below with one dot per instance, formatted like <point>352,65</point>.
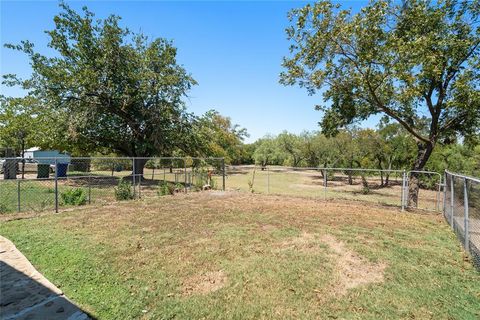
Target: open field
<point>237,255</point>
<point>310,183</point>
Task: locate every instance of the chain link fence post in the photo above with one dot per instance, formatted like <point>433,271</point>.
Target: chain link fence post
<point>223,174</point>
<point>404,179</point>
<point>133,177</point>
<point>325,184</point>
<point>185,173</point>
<point>139,186</point>
<point>89,181</point>
<point>268,180</point>
<point>18,195</point>
<point>452,195</point>
<point>466,219</point>
<point>445,193</point>
<point>56,185</point>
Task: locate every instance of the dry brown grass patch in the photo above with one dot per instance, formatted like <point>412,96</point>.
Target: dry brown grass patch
<point>304,243</point>
<point>204,283</point>
<point>351,269</point>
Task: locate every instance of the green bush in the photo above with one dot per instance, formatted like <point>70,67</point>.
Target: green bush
<point>165,188</point>
<point>124,191</point>
<point>75,197</point>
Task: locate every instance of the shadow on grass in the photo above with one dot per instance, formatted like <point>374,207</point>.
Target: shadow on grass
<point>25,298</point>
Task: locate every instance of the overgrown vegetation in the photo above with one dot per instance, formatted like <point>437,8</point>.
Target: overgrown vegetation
<point>74,197</point>
<point>124,190</point>
<point>165,188</point>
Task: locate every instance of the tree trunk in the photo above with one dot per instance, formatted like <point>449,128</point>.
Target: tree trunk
<point>139,165</point>
<point>424,150</point>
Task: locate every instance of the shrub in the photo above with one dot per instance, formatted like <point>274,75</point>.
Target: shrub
<point>124,190</point>
<point>165,188</point>
<point>75,197</point>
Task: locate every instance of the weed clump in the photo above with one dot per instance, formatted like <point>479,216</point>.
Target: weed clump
<point>74,197</point>
<point>124,191</point>
<point>165,188</point>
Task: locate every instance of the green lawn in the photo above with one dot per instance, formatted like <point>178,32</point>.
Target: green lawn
<point>239,256</point>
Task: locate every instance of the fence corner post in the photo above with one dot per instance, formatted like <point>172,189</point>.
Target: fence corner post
<point>444,184</point>
<point>452,195</point>
<point>56,185</point>
<point>465,216</point>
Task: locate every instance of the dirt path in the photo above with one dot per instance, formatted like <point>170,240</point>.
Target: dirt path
<point>27,294</point>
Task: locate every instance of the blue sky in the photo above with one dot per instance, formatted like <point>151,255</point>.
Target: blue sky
<point>233,49</point>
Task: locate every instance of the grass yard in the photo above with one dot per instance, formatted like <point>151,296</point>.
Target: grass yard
<point>309,183</point>
<point>241,256</point>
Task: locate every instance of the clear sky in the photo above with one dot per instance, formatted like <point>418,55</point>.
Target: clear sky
<point>233,49</point>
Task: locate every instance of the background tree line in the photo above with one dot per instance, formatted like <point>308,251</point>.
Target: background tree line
<point>388,146</point>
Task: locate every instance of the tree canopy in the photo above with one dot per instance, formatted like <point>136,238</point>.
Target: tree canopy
<point>116,89</point>
<point>416,62</point>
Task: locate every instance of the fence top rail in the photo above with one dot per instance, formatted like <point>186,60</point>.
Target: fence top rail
<point>426,172</point>
<point>322,168</point>
<point>113,158</point>
<point>462,176</point>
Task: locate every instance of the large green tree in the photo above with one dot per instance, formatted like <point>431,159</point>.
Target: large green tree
<point>117,90</point>
<point>219,137</point>
<point>416,62</point>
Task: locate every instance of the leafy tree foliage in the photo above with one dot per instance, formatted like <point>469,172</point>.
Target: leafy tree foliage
<point>417,62</point>
<point>221,138</point>
<point>268,152</point>
<point>25,123</point>
<point>117,89</point>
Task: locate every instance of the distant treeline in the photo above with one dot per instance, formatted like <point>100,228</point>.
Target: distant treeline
<point>387,147</point>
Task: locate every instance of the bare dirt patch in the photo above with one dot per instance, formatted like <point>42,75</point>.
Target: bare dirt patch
<point>352,269</point>
<point>204,283</point>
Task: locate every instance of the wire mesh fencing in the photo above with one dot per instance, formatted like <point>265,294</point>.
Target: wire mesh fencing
<point>386,187</point>
<point>462,211</point>
<point>55,183</point>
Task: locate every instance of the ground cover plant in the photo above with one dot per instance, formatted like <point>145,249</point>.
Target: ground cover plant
<point>238,255</point>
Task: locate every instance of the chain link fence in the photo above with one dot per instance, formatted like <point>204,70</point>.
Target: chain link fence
<point>386,187</point>
<point>31,185</point>
<point>462,211</point>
